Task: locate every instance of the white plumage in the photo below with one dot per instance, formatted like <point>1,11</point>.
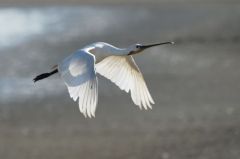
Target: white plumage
<point>79,72</point>
<point>123,71</point>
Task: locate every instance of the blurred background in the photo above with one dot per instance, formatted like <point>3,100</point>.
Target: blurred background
<point>195,83</point>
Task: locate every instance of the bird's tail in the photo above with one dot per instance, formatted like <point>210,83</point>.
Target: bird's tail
<point>44,75</point>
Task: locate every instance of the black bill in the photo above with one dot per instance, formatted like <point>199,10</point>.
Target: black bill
<point>152,45</point>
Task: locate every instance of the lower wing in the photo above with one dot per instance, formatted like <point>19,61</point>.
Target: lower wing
<point>78,73</point>
<point>124,72</point>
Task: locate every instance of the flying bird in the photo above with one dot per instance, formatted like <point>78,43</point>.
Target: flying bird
<point>79,72</point>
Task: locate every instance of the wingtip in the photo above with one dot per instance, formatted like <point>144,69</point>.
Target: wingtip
<point>93,115</point>
<point>86,115</point>
<point>150,106</point>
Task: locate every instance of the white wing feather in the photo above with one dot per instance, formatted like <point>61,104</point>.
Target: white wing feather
<point>123,71</point>
<point>78,73</point>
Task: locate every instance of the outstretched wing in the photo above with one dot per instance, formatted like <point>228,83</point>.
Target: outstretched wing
<point>124,72</point>
<point>78,73</point>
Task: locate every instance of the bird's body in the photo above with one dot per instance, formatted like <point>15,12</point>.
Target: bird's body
<point>79,72</point>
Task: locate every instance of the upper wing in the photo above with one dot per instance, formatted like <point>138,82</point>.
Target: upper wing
<point>78,73</point>
<point>123,71</point>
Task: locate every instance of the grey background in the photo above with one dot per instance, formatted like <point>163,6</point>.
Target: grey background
<point>194,83</point>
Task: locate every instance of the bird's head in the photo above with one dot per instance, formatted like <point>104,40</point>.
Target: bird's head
<point>137,48</point>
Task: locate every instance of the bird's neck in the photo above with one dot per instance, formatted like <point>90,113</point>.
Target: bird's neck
<point>104,49</point>
<point>119,51</point>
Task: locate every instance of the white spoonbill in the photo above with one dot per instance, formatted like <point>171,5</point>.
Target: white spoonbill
<point>79,72</point>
